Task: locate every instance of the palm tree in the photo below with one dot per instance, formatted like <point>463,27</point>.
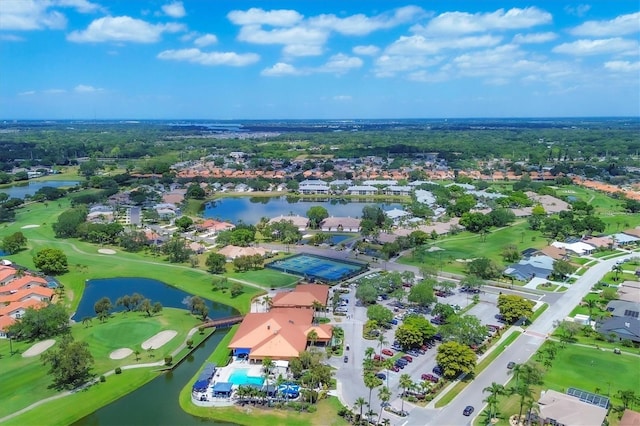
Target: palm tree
<point>591,304</point>
<point>617,269</point>
<point>370,382</point>
<point>369,352</point>
<point>312,337</point>
<point>267,301</point>
<point>381,342</point>
<point>525,392</point>
<point>267,366</point>
<point>384,394</point>
<point>405,383</point>
<point>367,365</point>
<point>360,403</point>
<point>494,390</point>
<point>386,422</point>
<point>317,306</point>
<point>516,370</point>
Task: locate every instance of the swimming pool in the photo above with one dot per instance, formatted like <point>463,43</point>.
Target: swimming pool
<point>241,377</point>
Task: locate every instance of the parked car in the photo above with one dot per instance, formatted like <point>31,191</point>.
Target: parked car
<point>438,370</point>
<point>413,352</point>
<point>430,378</point>
<point>381,376</point>
<point>387,352</point>
<point>408,358</point>
<point>468,410</point>
<point>346,359</point>
<point>377,357</point>
<point>402,361</point>
<point>395,368</point>
<point>510,365</point>
<point>399,365</point>
<point>396,347</point>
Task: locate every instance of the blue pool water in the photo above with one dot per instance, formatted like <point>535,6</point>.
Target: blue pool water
<point>241,378</point>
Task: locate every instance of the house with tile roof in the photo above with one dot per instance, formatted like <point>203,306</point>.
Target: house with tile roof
<point>280,334</point>
<point>18,292</point>
<point>304,296</point>
<point>340,224</point>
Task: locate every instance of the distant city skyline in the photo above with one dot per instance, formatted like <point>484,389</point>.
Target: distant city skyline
<point>195,59</point>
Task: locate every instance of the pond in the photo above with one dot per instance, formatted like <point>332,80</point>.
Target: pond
<point>156,403</point>
<point>252,209</point>
<point>19,190</point>
<point>157,291</point>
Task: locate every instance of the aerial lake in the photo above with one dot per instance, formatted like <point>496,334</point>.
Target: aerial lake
<point>252,209</point>
<point>157,291</point>
<point>19,190</point>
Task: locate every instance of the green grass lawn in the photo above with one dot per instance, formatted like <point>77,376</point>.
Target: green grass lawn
<point>585,368</point>
<point>266,278</point>
<point>467,245</point>
<point>26,380</point>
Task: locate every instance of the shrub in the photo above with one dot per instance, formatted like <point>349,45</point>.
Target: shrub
<point>118,370</point>
<point>189,343</point>
<point>168,360</point>
<point>103,379</point>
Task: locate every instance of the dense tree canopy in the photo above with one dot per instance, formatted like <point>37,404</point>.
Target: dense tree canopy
<point>70,363</point>
<point>13,243</point>
<point>51,261</point>
<point>39,324</point>
<point>455,359</point>
<point>513,307</point>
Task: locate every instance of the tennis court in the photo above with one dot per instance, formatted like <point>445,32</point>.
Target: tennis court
<point>318,267</point>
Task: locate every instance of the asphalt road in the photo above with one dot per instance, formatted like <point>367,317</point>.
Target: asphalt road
<point>351,385</point>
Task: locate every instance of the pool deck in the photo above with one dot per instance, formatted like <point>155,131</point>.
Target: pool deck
<point>222,376</point>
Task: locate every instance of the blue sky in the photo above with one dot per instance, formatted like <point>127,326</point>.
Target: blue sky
<point>223,59</point>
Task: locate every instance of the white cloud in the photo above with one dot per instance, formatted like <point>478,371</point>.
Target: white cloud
<point>361,24</point>
<point>598,47</point>
<point>294,35</point>
<point>257,16</point>
<point>424,76</point>
<point>580,10</point>
<point>83,88</point>
<point>390,65</point>
<point>122,29</point>
<point>622,66</point>
<point>281,69</point>
<point>342,98</point>
<point>302,50</point>
<point>27,93</point>
<point>197,56</point>
<point>369,50</point>
<point>340,64</point>
<point>534,38</point>
<point>417,44</point>
<point>25,15</point>
<point>174,10</point>
<point>205,40</point>
<point>54,91</point>
<point>463,22</point>
<point>622,25</point>
<point>82,6</point>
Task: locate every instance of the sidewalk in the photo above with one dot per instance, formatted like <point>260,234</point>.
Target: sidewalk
<point>445,390</point>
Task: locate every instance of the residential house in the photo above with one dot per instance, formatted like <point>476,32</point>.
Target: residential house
<point>425,197</point>
<point>313,189</point>
<point>561,409</point>
<point>630,418</point>
<point>623,239</point>
<point>580,248</point>
<point>629,291</point>
<point>214,226</point>
<point>551,204</point>
<point>340,224</point>
<point>624,308</point>
<point>362,190</point>
<point>539,266</point>
<point>398,190</point>
<point>300,222</point>
<point>396,214</point>
<point>625,328</point>
<point>231,252</point>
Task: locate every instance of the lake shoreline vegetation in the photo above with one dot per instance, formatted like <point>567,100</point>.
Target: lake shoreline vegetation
<point>594,167</point>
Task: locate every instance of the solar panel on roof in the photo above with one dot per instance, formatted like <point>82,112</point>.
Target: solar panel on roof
<point>589,398</point>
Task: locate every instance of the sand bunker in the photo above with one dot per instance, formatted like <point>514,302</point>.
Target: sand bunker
<point>106,251</point>
<point>38,348</point>
<point>159,339</point>
<point>120,353</point>
<point>30,226</point>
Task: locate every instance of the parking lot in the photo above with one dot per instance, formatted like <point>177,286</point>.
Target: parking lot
<point>422,364</point>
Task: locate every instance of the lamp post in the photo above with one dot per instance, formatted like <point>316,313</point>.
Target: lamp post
<point>10,336</point>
